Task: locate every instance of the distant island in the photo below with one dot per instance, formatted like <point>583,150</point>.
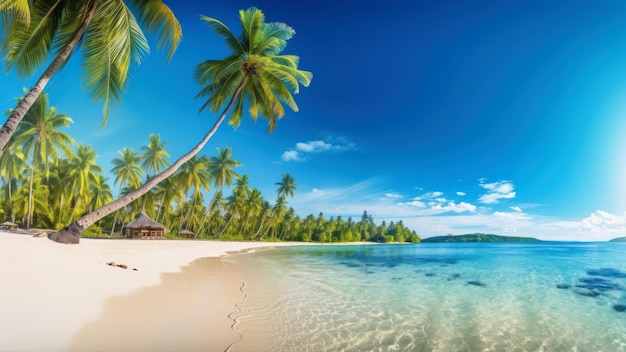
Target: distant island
<point>619,239</point>
<point>478,237</point>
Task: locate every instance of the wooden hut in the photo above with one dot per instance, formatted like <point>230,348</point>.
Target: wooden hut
<point>187,234</point>
<point>8,226</point>
<point>143,227</point>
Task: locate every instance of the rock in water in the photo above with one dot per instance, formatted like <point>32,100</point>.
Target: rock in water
<point>619,307</point>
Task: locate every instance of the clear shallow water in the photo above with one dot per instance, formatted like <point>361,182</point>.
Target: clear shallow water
<point>551,296</point>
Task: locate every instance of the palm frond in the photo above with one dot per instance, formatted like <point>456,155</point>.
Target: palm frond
<point>29,45</point>
<point>275,36</point>
<point>161,22</point>
<point>278,87</point>
<point>112,41</point>
<point>13,13</point>
<point>252,21</point>
<point>221,29</point>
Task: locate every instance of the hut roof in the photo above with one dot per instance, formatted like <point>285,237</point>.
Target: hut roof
<point>143,220</point>
<point>186,232</point>
<point>8,223</point>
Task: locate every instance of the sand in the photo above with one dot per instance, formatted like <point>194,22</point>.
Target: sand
<point>56,297</point>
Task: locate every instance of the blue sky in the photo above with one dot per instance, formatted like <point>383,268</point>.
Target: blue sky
<point>504,117</point>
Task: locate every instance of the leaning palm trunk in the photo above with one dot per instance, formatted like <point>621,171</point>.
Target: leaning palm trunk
<point>22,108</point>
<point>71,233</point>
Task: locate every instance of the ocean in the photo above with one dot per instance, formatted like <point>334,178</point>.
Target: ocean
<point>544,296</point>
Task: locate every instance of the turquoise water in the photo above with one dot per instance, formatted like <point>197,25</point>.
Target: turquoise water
<point>549,296</point>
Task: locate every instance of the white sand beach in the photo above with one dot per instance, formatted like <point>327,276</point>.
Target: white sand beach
<point>65,297</point>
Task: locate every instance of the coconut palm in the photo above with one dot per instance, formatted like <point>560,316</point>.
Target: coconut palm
<point>108,32</point>
<point>41,139</point>
<point>84,171</point>
<point>100,193</point>
<point>154,158</point>
<point>221,170</point>
<point>11,165</point>
<point>127,173</point>
<point>167,191</point>
<point>286,186</point>
<point>254,75</point>
<point>195,175</point>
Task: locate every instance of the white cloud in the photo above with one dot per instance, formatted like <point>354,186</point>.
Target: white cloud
<point>291,155</point>
<point>496,191</point>
<point>517,209</point>
<point>414,203</point>
<point>317,146</point>
<point>429,195</point>
<point>392,195</point>
<point>602,222</point>
<point>461,194</point>
<point>313,146</point>
<point>453,207</point>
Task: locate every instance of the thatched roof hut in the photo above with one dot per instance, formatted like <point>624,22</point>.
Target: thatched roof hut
<point>143,227</point>
<point>187,234</point>
<point>7,225</point>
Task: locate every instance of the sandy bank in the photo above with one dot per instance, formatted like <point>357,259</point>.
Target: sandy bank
<point>65,297</point>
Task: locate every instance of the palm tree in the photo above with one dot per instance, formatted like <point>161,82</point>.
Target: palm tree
<point>168,191</point>
<point>193,175</point>
<point>11,165</point>
<point>83,172</point>
<point>41,138</point>
<point>154,158</point>
<point>100,193</point>
<point>127,173</point>
<point>254,75</point>
<point>221,170</point>
<point>286,186</point>
<point>108,32</point>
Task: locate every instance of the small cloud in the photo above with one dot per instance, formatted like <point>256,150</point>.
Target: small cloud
<point>456,208</point>
<point>461,194</point>
<point>517,209</point>
<point>313,146</point>
<point>291,155</point>
<point>496,191</point>
<point>414,203</point>
<point>441,200</point>
<point>392,195</point>
<point>430,195</point>
<point>318,146</point>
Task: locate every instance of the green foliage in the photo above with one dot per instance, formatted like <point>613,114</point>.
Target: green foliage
<point>109,33</point>
<point>254,74</point>
<point>479,237</point>
<point>618,239</point>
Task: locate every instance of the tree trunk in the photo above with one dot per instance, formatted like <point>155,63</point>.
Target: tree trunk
<point>206,214</point>
<point>66,235</point>
<point>116,213</point>
<point>225,227</point>
<point>22,108</point>
<point>30,193</point>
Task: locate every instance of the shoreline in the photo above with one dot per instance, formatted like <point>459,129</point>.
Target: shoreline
<point>53,295</point>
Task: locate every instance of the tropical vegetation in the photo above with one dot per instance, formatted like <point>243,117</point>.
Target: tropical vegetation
<point>255,75</point>
<point>479,237</point>
<point>47,180</point>
<point>109,32</point>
